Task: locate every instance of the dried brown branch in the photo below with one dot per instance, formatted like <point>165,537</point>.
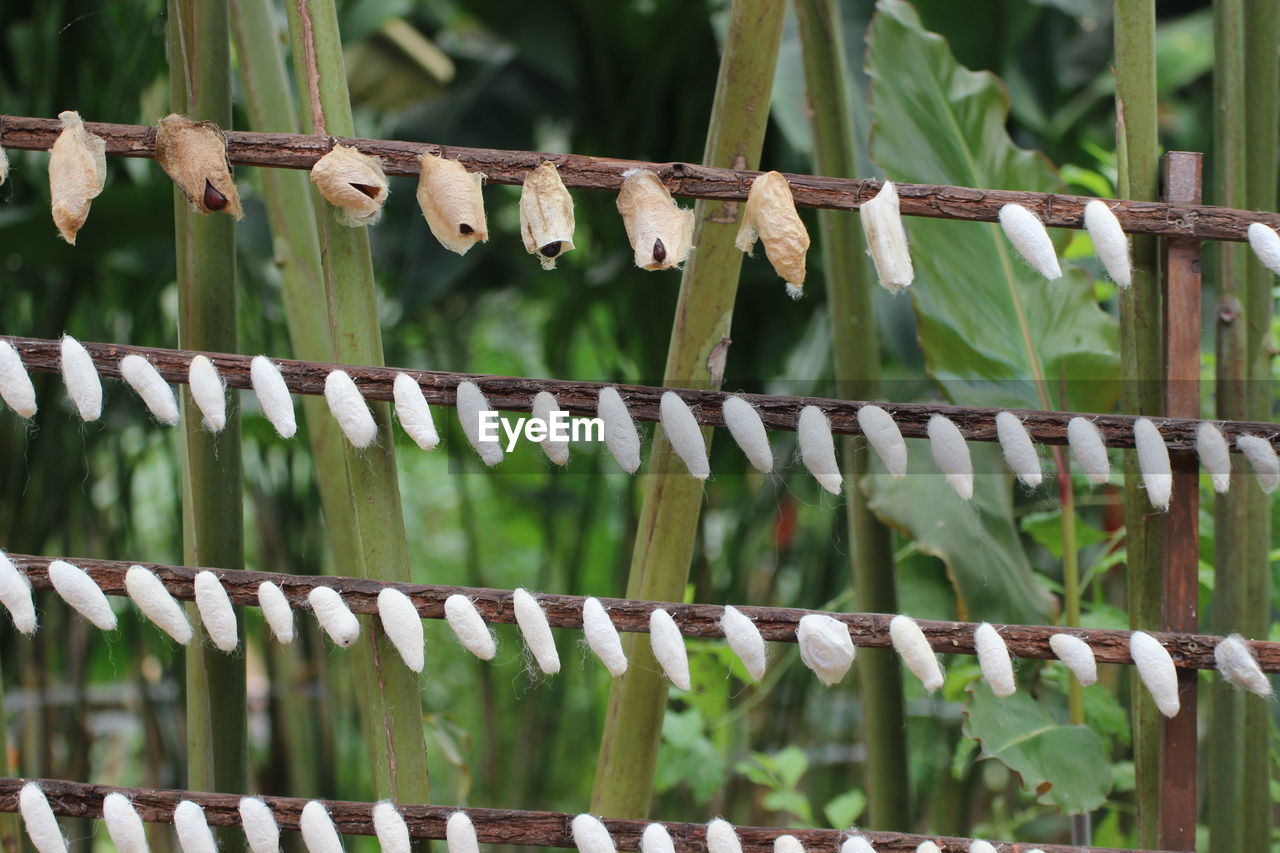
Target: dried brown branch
<point>493,826</point>
<point>297,151</point>
<point>777,624</point>
<point>515,394</point>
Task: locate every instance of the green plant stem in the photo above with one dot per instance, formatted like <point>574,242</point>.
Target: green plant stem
<point>389,690</point>
<point>1262,134</point>
<point>1232,511</point>
<point>1141,360</point>
<point>700,333</point>
<point>856,355</point>
<point>1070,574</point>
<point>212,508</point>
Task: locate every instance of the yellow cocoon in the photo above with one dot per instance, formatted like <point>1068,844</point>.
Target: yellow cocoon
<point>546,215</point>
<point>353,182</point>
<point>660,231</point>
<point>194,154</point>
<point>77,173</point>
<point>452,203</point>
<point>771,216</point>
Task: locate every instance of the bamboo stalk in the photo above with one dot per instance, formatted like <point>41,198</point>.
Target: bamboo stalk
<point>1262,134</point>
<point>1232,511</point>
<point>973,204</point>
<point>699,339</point>
<point>212,510</point>
<point>856,357</point>
<point>1141,351</point>
<point>390,691</point>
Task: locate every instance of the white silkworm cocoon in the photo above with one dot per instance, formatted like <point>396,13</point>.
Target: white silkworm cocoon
<point>1028,235</point>
<point>748,431</point>
<point>818,448</point>
<point>123,824</point>
<point>403,625</point>
<point>334,616</point>
<point>546,215</point>
<point>276,610</point>
<point>259,823</point>
<point>15,594</point>
<point>684,434</point>
<point>414,413</point>
<point>1266,245</point>
<point>1261,456</point>
<point>887,239</point>
<point>143,378</point>
<point>1153,461</point>
<point>787,844</point>
<point>82,593</point>
<point>928,847</point>
<point>1019,452</point>
<point>452,203</point>
<point>1109,241</point>
<point>273,395</point>
<point>980,846</point>
<point>993,658</point>
<point>216,612</point>
<point>1157,671</point>
<point>771,216</point>
<point>882,433</point>
<point>544,407</point>
<point>1077,655</point>
<point>745,640</point>
<point>460,834</point>
<point>472,406</point>
<point>1089,450</point>
<point>39,820</point>
<point>825,647</point>
<point>620,434</point>
<point>15,384</point>
<point>392,832</point>
<point>4,167</point>
<point>155,602</point>
<point>656,839</point>
<point>536,631</point>
<point>349,409</point>
<point>602,637</point>
<point>318,831</point>
<point>469,627</point>
<point>854,844</point>
<point>660,231</point>
<point>194,835</point>
<point>1215,456</point>
<point>913,647</point>
<point>77,174</point>
<point>590,835</point>
<point>951,454</point>
<point>722,837</point>
<point>81,378</point>
<point>208,392</point>
<point>1235,660</point>
<point>668,648</point>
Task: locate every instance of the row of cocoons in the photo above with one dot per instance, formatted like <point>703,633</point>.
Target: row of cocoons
<point>813,428</point>
<point>659,230</point>
<point>320,835</point>
<point>826,646</point>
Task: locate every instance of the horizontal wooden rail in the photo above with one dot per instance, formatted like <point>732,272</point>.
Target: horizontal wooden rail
<point>777,624</point>
<point>493,826</point>
<point>297,151</point>
<point>514,393</point>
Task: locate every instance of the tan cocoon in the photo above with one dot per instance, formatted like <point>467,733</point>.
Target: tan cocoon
<point>77,173</point>
<point>353,182</point>
<point>194,154</point>
<point>660,231</point>
<point>771,216</point>
<point>546,215</point>
<point>450,199</point>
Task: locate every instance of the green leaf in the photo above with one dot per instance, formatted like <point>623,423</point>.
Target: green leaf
<point>977,540</point>
<point>1046,529</point>
<point>792,802</point>
<point>988,324</point>
<point>792,764</point>
<point>844,811</point>
<point>1066,766</point>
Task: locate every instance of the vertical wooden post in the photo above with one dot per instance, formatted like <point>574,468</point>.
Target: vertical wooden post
<point>1180,259</point>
